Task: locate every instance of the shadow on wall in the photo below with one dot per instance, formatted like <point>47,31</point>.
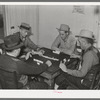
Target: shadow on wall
<point>1,27</point>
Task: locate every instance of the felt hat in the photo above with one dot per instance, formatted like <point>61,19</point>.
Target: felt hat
<point>86,34</point>
<point>25,26</point>
<point>63,27</point>
<point>12,42</point>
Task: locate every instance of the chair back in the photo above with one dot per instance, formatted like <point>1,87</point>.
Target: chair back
<point>8,80</point>
<point>90,79</point>
<point>96,83</point>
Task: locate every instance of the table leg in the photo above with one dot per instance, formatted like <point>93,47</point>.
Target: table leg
<point>50,82</point>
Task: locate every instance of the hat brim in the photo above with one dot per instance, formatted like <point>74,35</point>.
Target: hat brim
<point>27,28</point>
<point>29,33</point>
<point>60,29</point>
<point>86,37</point>
<point>12,48</point>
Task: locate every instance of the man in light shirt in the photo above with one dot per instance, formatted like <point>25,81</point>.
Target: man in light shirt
<point>65,41</point>
<point>89,59</point>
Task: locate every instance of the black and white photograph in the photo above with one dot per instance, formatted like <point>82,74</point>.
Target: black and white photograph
<point>50,47</point>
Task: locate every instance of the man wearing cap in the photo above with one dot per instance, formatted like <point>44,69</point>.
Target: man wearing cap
<point>89,59</point>
<point>25,37</point>
<point>9,61</point>
<point>65,41</point>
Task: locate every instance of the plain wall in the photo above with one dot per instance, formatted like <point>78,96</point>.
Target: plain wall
<point>17,14</point>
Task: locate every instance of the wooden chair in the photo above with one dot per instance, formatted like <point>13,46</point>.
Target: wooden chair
<point>8,80</point>
<point>94,78</point>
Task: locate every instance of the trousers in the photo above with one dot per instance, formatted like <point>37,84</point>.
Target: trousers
<point>64,77</point>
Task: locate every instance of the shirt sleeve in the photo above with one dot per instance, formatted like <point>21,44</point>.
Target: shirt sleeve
<point>86,65</point>
<point>30,44</point>
<point>56,43</point>
<point>72,42</point>
<point>24,68</point>
<point>70,45</point>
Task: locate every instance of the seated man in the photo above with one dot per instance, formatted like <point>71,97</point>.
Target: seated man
<point>9,61</point>
<point>65,41</point>
<point>25,37</point>
<point>89,59</point>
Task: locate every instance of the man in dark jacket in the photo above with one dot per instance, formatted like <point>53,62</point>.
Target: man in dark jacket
<point>9,61</point>
<point>89,59</point>
<point>25,36</point>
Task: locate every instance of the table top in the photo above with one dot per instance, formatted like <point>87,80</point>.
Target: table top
<point>55,58</point>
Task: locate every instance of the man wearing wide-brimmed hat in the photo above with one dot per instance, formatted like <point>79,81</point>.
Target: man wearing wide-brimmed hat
<point>65,41</point>
<point>25,36</point>
<point>10,62</point>
<point>89,59</point>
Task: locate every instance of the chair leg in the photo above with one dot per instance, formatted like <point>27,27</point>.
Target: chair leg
<point>97,87</point>
<point>63,85</point>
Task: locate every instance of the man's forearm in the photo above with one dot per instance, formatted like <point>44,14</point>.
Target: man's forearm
<point>55,48</point>
<point>69,52</point>
<point>77,73</point>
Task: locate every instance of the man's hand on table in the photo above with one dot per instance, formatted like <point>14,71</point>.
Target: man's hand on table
<point>57,49</point>
<point>63,67</point>
<point>40,52</point>
<point>29,54</point>
<point>48,62</point>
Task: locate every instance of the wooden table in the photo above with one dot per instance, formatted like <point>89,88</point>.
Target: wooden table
<point>52,72</point>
